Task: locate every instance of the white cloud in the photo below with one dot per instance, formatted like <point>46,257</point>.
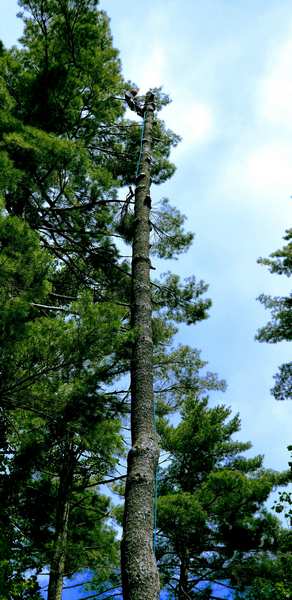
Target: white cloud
<point>153,68</point>
<point>191,119</point>
<point>260,166</point>
<point>255,185</point>
<point>152,61</point>
<point>274,95</point>
<point>267,170</point>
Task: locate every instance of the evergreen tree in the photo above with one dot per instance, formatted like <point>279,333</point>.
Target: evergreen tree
<point>23,275</point>
<point>66,137</point>
<point>268,575</point>
<point>280,327</point>
<point>65,149</point>
<point>213,529</point>
<point>58,423</point>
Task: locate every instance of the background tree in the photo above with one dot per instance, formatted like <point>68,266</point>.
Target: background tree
<point>58,422</point>
<point>265,576</point>
<point>213,528</point>
<point>280,327</point>
<point>23,275</point>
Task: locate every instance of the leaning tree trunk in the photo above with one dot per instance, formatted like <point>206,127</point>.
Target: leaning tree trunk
<point>139,571</point>
<point>57,569</point>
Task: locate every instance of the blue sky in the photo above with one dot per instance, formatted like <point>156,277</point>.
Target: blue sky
<point>228,68</point>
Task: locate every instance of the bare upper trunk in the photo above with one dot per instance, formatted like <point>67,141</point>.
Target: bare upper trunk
<point>139,570</point>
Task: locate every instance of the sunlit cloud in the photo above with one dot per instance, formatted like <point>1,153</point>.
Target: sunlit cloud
<point>268,169</point>
<point>153,68</point>
<point>192,120</point>
<point>274,94</point>
<point>259,177</point>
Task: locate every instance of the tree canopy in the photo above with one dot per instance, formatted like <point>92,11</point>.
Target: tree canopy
<point>68,165</point>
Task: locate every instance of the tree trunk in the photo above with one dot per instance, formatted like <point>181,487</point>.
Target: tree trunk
<point>183,577</point>
<point>57,569</point>
<point>139,571</point>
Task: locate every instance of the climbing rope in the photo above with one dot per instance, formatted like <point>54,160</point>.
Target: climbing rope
<point>155,510</point>
<point>141,147</point>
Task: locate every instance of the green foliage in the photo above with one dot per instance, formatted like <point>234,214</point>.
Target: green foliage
<point>66,151</point>
<point>21,588</point>
<point>283,505</point>
<point>169,237</point>
<point>70,69</point>
<point>211,515</point>
<point>180,302</point>
<point>55,369</point>
<point>281,260</point>
<point>127,153</point>
<point>279,328</point>
<point>54,375</point>
<point>178,376</point>
<point>267,576</point>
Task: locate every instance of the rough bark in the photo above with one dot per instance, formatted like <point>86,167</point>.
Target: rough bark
<point>183,577</point>
<point>139,571</point>
<point>57,569</point>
